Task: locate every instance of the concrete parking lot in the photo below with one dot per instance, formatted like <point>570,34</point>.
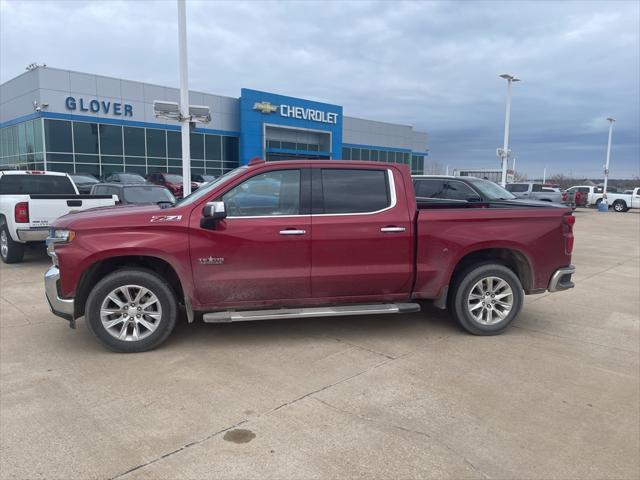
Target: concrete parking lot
<point>557,396</point>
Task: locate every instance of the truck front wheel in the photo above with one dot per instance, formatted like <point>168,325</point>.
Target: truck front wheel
<point>486,298</point>
<point>10,251</point>
<point>131,310</point>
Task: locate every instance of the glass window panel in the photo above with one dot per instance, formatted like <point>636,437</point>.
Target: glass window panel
<point>174,144</point>
<point>173,162</point>
<point>302,146</point>
<point>57,134</point>
<point>137,169</point>
<point>374,155</point>
<point>197,145</point>
<point>37,134</point>
<point>158,162</point>
<point>460,191</point>
<point>156,143</point>
<point>289,145</point>
<point>355,154</point>
<point>135,160</point>
<point>213,147</point>
<point>59,157</point>
<point>354,191</point>
<point>271,193</point>
<point>197,163</point>
<point>364,154</point>
<point>197,171</point>
<point>85,137</point>
<point>87,158</point>
<point>29,137</point>
<point>346,153</point>
<point>175,170</point>
<point>110,139</point>
<point>230,149</point>
<point>314,148</point>
<point>134,141</point>
<point>22,138</point>
<point>429,188</point>
<point>112,159</point>
<point>92,168</point>
<point>60,167</point>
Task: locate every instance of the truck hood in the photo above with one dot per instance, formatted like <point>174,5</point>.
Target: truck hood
<point>111,217</point>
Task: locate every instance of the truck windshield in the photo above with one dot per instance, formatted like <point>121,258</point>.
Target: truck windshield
<point>206,189</point>
<point>490,190</point>
<point>30,184</point>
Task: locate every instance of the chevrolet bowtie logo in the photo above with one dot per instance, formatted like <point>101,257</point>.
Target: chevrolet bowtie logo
<point>265,107</point>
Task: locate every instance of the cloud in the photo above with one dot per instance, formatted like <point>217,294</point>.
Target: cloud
<point>434,65</point>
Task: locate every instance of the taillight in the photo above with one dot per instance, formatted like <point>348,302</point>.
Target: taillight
<point>567,226</point>
<point>21,212</point>
<point>565,196</point>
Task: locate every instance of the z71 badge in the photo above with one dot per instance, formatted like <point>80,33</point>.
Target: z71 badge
<point>166,218</point>
<point>211,261</point>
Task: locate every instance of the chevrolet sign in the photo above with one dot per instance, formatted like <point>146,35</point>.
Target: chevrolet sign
<point>301,113</point>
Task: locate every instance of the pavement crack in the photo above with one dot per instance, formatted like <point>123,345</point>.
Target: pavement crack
<point>355,345</point>
<point>404,429</point>
<point>177,450</point>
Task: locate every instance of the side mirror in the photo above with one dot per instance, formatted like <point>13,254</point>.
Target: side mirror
<point>212,213</point>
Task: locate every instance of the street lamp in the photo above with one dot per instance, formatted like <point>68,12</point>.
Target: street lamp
<point>604,204</point>
<point>504,153</point>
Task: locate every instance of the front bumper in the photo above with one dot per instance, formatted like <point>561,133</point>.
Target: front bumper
<point>33,234</point>
<point>561,279</point>
<point>62,307</point>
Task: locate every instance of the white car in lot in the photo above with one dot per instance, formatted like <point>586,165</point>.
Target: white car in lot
<point>621,202</point>
<point>30,200</point>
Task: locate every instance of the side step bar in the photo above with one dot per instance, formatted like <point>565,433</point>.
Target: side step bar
<point>311,312</point>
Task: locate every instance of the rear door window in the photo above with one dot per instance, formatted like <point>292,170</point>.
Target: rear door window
<point>430,188</point>
<point>354,191</point>
<point>517,187</point>
<point>36,185</point>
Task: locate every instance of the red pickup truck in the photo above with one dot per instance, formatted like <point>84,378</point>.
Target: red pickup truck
<point>303,239</point>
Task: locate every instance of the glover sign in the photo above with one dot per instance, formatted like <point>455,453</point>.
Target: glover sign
<point>96,106</point>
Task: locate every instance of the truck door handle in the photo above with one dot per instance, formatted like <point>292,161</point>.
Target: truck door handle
<point>392,229</point>
<point>292,232</point>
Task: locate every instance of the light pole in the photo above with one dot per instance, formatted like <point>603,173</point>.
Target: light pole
<point>185,118</point>
<point>504,153</point>
<point>606,166</point>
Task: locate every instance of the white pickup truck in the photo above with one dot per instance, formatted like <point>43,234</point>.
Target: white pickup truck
<point>30,201</point>
<point>621,202</point>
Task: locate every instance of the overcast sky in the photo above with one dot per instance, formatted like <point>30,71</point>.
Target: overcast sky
<point>433,65</point>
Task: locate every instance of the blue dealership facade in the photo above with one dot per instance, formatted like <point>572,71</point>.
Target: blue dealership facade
<point>77,122</point>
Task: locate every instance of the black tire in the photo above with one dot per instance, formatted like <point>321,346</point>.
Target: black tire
<point>620,206</point>
<point>10,251</point>
<point>140,277</point>
<point>466,280</point>
<point>598,201</point>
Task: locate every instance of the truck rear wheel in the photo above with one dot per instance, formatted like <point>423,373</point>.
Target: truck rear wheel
<point>486,299</point>
<point>620,206</point>
<point>131,310</point>
<point>10,251</point>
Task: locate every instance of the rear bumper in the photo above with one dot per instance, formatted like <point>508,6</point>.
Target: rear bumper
<point>62,307</point>
<point>561,279</point>
<point>33,234</point>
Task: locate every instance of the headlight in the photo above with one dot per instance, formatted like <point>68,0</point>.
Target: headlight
<point>62,235</point>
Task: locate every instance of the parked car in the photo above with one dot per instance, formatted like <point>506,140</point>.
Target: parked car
<point>172,181</point>
<point>202,179</point>
<point>535,191</point>
<point>84,181</point>
<point>123,177</point>
<point>135,193</point>
<point>30,201</point>
<point>338,238</point>
<point>621,202</point>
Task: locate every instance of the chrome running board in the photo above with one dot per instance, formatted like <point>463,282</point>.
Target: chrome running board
<point>339,311</point>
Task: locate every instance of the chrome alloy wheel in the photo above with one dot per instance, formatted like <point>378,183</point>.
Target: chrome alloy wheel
<point>4,244</point>
<point>131,313</point>
<point>490,300</point>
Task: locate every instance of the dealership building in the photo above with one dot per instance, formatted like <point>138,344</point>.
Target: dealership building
<point>52,119</point>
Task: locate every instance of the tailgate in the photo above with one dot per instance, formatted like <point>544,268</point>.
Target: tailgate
<point>44,209</point>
